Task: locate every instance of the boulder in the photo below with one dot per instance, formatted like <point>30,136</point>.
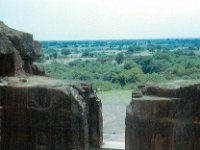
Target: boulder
<point>18,50</point>
<point>164,118</point>
<point>40,113</point>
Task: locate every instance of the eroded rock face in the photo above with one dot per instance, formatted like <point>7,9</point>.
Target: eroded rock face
<point>18,50</point>
<point>40,113</point>
<point>164,119</point>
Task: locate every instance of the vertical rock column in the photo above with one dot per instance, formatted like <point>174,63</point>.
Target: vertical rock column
<point>49,115</point>
<point>164,119</point>
<point>95,123</point>
<point>95,118</point>
<point>149,123</point>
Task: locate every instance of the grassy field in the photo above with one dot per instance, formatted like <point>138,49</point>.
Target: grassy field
<point>115,96</point>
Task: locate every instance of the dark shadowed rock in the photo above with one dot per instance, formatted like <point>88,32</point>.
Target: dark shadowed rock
<point>18,50</point>
<point>166,118</point>
<point>40,113</point>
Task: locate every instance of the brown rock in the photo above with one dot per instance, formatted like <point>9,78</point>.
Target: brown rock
<point>164,119</point>
<point>40,113</point>
<point>137,93</point>
<point>18,50</point>
<point>47,114</point>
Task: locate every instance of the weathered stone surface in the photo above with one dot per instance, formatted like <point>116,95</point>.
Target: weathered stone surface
<point>40,113</point>
<point>165,118</point>
<point>18,50</point>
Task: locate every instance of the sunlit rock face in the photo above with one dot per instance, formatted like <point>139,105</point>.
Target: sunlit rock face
<point>39,113</point>
<point>18,50</point>
<point>164,118</point>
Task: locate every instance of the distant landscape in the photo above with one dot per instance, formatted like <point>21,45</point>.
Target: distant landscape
<point>122,64</point>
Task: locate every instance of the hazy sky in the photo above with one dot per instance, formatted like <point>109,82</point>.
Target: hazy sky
<point>103,19</point>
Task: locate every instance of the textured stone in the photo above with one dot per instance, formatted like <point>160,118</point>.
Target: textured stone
<point>165,118</point>
<point>40,113</point>
<point>18,50</point>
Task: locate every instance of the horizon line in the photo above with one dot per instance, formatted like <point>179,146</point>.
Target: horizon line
<point>127,39</point>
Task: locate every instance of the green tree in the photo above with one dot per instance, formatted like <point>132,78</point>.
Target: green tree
<point>120,58</point>
<point>65,52</point>
<point>122,81</point>
<point>85,54</point>
<point>134,49</point>
<point>134,75</point>
<point>55,55</point>
<point>151,48</point>
<point>128,65</point>
<point>120,47</point>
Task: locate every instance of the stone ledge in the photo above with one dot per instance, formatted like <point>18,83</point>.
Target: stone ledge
<point>44,113</point>
<point>164,117</point>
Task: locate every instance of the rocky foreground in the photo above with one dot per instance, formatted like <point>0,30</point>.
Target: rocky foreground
<point>41,113</point>
<point>164,117</point>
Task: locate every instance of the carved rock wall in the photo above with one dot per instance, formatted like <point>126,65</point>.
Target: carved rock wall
<point>40,113</point>
<point>164,119</point>
<point>47,114</point>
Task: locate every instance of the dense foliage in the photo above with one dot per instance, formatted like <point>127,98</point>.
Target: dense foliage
<point>125,69</point>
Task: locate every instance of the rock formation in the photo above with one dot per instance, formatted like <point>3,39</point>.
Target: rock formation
<point>41,113</point>
<point>164,118</point>
<point>18,50</point>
